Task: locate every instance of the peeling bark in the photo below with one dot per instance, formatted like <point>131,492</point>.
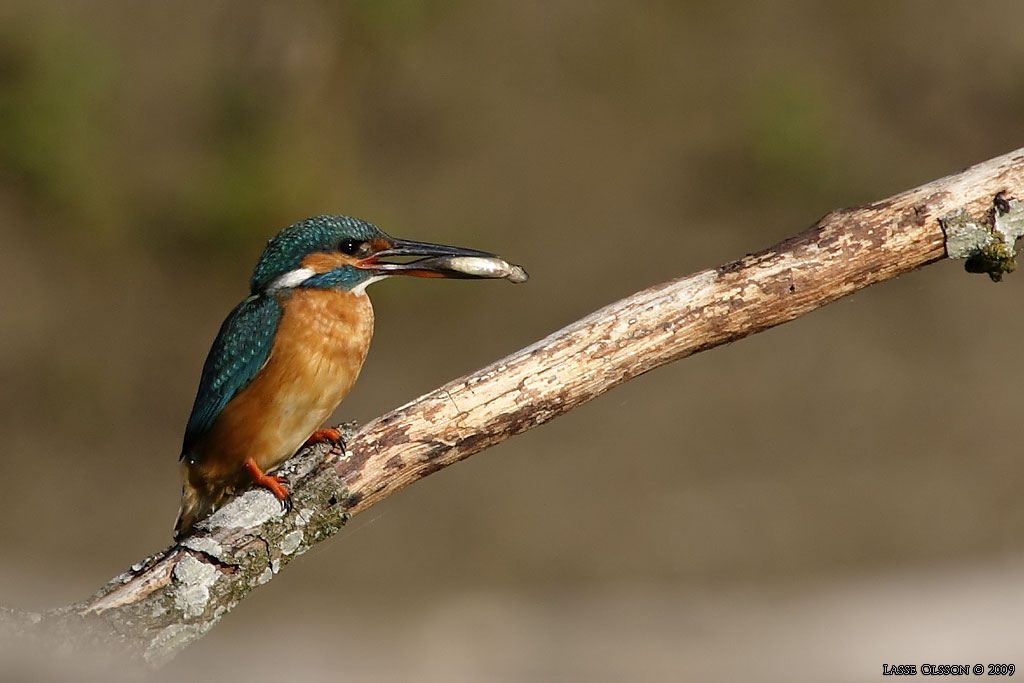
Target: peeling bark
<point>163,603</point>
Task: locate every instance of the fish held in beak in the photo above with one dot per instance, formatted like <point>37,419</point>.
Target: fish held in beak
<point>443,261</point>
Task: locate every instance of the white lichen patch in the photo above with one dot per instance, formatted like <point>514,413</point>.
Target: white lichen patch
<point>966,236</point>
<point>252,508</point>
<point>203,544</point>
<point>191,600</point>
<point>303,516</point>
<point>266,575</point>
<point>190,571</point>
<point>291,542</point>
<point>275,565</point>
<point>194,580</point>
<point>1010,224</point>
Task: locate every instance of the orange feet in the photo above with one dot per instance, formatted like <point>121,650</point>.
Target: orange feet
<point>332,436</point>
<point>275,484</point>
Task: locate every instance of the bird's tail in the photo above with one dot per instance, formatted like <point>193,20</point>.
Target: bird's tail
<point>195,505</point>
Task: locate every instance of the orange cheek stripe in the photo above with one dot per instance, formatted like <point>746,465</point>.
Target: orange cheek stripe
<point>325,262</point>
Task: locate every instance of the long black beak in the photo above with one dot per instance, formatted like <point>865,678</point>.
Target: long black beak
<point>411,248</point>
<point>436,260</point>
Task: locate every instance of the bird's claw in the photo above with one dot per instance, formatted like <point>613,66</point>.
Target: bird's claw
<point>329,435</point>
<point>277,487</point>
<point>274,484</point>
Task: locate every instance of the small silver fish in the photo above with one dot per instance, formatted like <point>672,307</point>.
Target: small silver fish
<point>485,267</point>
<point>489,267</point>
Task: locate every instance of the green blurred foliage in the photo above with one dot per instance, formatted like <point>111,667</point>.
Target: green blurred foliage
<point>792,138</point>
<point>204,129</point>
<point>390,20</point>
<point>239,187</point>
<point>55,103</point>
<point>248,148</point>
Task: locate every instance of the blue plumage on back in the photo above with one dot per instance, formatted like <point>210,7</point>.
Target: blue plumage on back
<point>239,351</point>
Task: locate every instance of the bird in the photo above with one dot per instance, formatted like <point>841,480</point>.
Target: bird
<point>288,354</point>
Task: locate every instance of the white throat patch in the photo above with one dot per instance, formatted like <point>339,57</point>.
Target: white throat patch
<point>360,289</point>
<point>293,278</point>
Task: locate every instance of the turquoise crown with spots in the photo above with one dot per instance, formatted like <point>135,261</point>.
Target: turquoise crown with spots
<point>285,251</point>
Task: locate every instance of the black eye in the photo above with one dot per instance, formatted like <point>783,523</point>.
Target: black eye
<point>349,246</point>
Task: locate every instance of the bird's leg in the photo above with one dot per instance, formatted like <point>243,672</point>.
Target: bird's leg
<point>275,484</point>
<point>330,435</point>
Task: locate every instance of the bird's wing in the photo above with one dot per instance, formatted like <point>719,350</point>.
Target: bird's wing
<point>241,348</point>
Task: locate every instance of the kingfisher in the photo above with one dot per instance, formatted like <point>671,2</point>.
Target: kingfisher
<point>287,355</point>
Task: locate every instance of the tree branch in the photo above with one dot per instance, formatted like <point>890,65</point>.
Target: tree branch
<point>170,599</point>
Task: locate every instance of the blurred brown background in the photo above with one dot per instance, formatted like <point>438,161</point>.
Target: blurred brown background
<point>808,504</point>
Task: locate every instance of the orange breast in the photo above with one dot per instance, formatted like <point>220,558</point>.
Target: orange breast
<point>319,348</point>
